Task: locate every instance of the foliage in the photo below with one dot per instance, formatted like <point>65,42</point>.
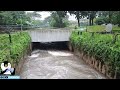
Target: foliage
<point>47,19</point>
<point>100,46</point>
<point>78,15</point>
<point>58,19</point>
<point>36,22</point>
<point>116,18</point>
<point>111,16</point>
<point>33,15</point>
<point>13,18</point>
<point>91,16</point>
<point>101,20</point>
<point>81,14</point>
<point>20,42</point>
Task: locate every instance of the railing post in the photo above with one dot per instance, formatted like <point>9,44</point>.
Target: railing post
<point>10,43</point>
<point>10,39</point>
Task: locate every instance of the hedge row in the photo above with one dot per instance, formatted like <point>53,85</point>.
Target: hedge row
<point>13,51</point>
<point>100,46</point>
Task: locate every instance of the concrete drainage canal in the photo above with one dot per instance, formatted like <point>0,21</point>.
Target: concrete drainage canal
<point>55,61</point>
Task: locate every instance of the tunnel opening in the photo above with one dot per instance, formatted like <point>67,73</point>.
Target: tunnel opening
<point>50,45</point>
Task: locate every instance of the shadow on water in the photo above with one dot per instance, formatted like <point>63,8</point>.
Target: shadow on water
<point>50,46</point>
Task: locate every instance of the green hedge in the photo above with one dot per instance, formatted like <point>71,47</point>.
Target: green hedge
<point>20,42</point>
<point>100,46</point>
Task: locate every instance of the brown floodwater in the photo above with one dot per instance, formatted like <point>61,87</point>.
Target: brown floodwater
<point>57,64</point>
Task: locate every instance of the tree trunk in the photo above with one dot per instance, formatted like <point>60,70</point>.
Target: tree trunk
<point>92,21</point>
<point>78,22</point>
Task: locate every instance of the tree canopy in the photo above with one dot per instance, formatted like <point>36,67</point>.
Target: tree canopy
<point>58,19</point>
<point>13,17</point>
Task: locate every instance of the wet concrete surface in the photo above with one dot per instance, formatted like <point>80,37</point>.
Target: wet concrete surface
<point>57,64</point>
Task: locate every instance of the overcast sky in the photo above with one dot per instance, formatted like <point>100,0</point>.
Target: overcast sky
<point>45,14</point>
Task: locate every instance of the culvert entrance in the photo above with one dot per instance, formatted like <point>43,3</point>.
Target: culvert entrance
<point>50,46</point>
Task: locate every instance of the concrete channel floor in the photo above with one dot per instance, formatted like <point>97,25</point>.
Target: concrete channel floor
<point>57,64</point>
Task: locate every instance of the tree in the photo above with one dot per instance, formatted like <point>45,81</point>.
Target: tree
<point>47,20</point>
<point>91,15</point>
<point>78,15</point>
<point>115,18</point>
<point>34,15</point>
<point>100,20</point>
<point>36,22</point>
<point>108,14</point>
<point>13,17</point>
<point>57,19</point>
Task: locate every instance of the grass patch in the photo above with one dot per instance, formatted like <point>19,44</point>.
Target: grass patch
<point>96,28</point>
<point>101,28</point>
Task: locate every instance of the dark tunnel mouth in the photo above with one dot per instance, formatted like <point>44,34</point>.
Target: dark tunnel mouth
<point>50,45</point>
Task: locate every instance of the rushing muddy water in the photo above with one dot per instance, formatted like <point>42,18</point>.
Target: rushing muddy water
<point>57,64</point>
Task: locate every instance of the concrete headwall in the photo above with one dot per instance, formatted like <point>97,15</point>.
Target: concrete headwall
<point>49,35</point>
